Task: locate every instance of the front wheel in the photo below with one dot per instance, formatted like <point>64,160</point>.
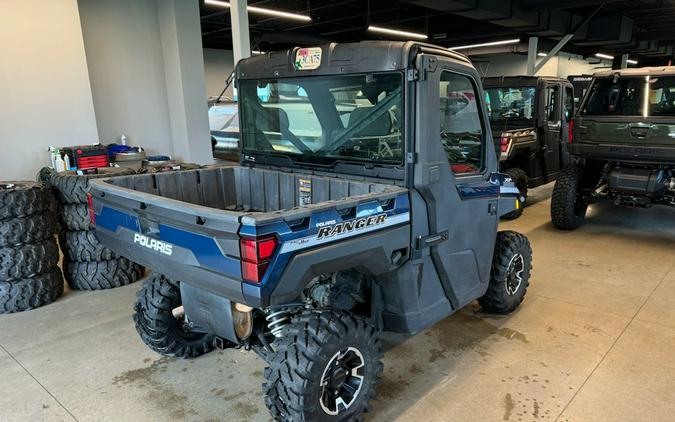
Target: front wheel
<point>161,330</point>
<point>568,210</point>
<point>510,275</point>
<point>325,368</point>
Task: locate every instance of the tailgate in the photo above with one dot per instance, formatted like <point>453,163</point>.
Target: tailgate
<point>192,243</point>
<point>621,137</point>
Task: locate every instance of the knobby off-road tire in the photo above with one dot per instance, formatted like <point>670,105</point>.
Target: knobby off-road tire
<point>82,245</point>
<point>510,275</point>
<point>30,293</point>
<point>519,178</point>
<point>28,260</point>
<point>75,217</point>
<point>101,275</point>
<point>157,326</point>
<point>311,343</point>
<point>72,188</point>
<point>568,212</point>
<point>31,229</point>
<point>21,199</point>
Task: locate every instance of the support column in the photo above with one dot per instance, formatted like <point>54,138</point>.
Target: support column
<point>180,32</point>
<point>624,61</point>
<point>531,55</point>
<point>241,42</point>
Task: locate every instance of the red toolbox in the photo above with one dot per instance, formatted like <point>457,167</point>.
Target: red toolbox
<point>87,156</point>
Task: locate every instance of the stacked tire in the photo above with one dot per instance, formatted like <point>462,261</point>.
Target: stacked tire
<point>29,256</point>
<point>87,264</point>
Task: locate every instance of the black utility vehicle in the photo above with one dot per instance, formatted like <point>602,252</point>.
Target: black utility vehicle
<point>623,148</point>
<point>359,205</point>
<point>530,119</point>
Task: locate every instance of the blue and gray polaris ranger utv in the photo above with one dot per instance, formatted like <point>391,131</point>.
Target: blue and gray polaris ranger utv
<point>367,198</point>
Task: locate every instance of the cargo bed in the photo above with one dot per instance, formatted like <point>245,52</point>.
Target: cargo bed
<point>189,224</point>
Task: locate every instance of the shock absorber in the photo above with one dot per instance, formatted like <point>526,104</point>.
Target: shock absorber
<point>276,321</point>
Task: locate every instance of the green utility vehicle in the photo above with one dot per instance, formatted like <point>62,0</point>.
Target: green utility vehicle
<point>623,145</point>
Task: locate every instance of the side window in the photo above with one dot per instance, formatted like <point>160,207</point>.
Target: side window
<point>552,93</point>
<point>461,130</point>
<point>569,103</point>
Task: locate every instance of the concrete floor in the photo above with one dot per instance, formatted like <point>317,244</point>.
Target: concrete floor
<point>593,341</point>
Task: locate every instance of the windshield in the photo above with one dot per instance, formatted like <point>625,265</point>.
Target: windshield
<point>325,119</point>
<point>631,96</point>
<point>510,102</point>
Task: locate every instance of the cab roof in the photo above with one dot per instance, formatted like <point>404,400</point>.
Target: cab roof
<point>521,80</point>
<point>344,58</point>
<point>639,71</point>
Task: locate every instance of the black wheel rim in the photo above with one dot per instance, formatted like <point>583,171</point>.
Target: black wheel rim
<point>514,276</point>
<point>341,381</point>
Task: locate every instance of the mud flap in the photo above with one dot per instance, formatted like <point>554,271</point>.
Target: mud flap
<point>207,312</point>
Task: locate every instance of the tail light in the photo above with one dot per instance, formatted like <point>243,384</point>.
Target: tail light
<point>90,204</point>
<point>504,143</point>
<point>256,254</point>
<point>570,132</point>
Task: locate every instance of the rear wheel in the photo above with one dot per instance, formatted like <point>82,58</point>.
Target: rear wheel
<point>325,368</point>
<point>568,210</point>
<point>510,275</point>
<point>519,178</point>
<point>161,326</point>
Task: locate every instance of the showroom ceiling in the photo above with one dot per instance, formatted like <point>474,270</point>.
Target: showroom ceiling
<point>643,28</point>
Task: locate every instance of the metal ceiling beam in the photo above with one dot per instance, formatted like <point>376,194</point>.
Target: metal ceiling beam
<point>544,5</point>
<point>551,53</point>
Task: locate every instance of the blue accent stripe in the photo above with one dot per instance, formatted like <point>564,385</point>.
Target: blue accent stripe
<point>111,219</point>
<point>205,249</point>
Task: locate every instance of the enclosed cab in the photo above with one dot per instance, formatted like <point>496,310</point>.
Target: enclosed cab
<point>623,148</point>
<point>530,119</point>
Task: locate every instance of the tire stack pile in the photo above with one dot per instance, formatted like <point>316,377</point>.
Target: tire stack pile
<point>29,257</point>
<point>88,265</point>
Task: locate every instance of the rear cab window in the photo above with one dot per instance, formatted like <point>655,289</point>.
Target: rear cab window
<point>631,96</point>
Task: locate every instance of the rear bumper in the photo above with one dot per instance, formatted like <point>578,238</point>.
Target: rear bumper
<point>657,154</point>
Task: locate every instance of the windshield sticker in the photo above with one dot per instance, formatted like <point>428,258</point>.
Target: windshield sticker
<point>308,58</point>
<point>305,191</point>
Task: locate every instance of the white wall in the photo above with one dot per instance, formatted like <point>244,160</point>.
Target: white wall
<point>124,53</point>
<point>563,65</point>
<point>218,64</point>
<point>45,91</point>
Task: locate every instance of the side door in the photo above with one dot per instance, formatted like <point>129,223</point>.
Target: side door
<point>455,159</point>
<point>568,115</point>
<point>552,128</point>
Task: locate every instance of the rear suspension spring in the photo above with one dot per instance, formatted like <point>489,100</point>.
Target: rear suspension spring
<point>276,321</point>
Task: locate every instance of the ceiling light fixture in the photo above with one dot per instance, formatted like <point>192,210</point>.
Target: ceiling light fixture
<point>406,34</point>
<point>258,52</point>
<point>486,44</point>
<point>604,56</point>
<point>631,61</point>
<point>263,11</point>
<point>542,54</point>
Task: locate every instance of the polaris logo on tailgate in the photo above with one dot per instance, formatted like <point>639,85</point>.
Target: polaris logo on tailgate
<point>154,244</point>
